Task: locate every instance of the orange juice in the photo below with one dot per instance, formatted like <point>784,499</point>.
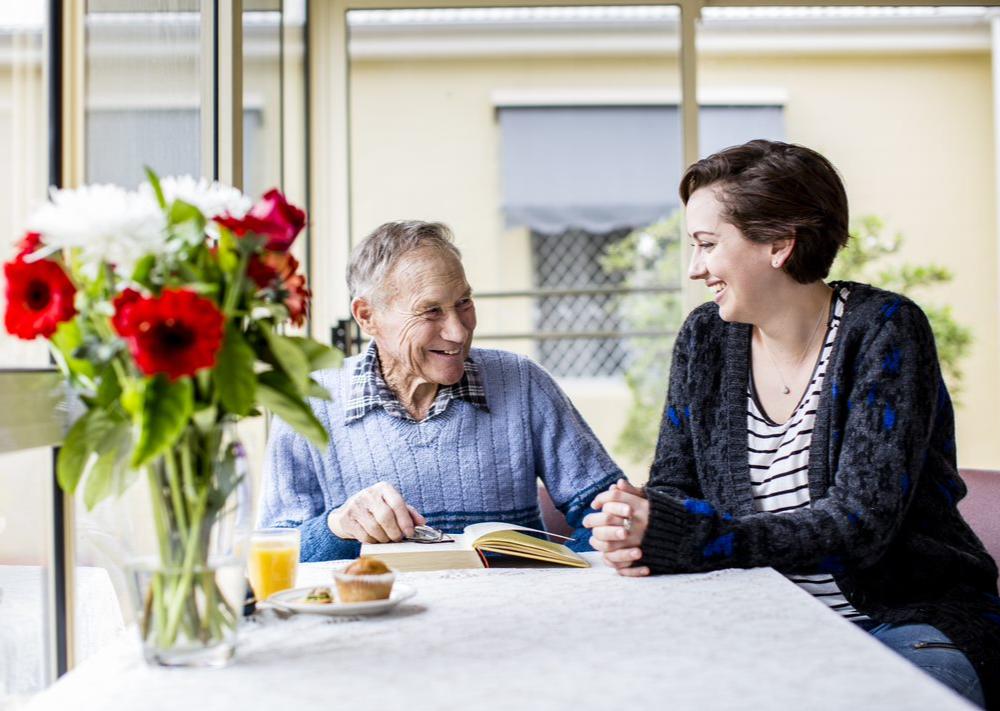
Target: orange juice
<point>272,565</point>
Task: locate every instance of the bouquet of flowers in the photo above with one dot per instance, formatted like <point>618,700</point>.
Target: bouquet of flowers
<point>163,307</point>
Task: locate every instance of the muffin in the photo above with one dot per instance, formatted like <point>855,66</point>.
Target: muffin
<point>364,580</point>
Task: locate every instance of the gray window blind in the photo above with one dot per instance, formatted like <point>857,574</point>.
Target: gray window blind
<point>602,168</point>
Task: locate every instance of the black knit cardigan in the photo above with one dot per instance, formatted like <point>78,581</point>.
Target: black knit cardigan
<point>882,477</point>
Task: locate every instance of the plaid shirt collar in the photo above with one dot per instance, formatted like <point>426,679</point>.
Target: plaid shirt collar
<point>369,390</point>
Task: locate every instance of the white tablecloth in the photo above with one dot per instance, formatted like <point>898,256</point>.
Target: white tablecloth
<point>535,639</point>
<point>23,630</point>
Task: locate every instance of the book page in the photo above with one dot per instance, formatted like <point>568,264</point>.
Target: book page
<point>478,530</point>
<point>459,543</point>
<point>517,543</point>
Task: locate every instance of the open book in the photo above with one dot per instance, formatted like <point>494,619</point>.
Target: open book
<point>468,548</point>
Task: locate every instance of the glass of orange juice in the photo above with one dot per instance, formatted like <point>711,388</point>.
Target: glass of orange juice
<point>274,560</point>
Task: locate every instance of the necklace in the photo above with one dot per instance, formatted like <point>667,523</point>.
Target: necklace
<point>785,390</point>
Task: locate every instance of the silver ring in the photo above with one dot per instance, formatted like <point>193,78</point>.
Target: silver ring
<point>627,524</point>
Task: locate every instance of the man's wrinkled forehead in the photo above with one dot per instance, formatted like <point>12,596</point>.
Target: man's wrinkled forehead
<point>426,274</point>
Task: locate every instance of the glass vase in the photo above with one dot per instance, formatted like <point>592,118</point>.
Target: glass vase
<point>188,591</point>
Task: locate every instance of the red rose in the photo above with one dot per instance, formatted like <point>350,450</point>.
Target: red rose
<point>176,333</point>
<point>273,217</point>
<point>263,268</point>
<point>122,302</point>
<point>39,297</point>
<point>28,244</point>
<point>276,271</point>
<point>296,299</point>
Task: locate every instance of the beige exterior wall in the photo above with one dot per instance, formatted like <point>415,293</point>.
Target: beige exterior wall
<point>911,133</point>
<point>913,137</point>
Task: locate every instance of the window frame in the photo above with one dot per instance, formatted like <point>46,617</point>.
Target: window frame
<point>43,421</point>
<point>330,131</point>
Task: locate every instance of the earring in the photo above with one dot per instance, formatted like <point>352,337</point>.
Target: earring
<point>775,264</point>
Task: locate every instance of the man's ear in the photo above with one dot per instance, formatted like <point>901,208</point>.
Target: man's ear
<point>364,314</point>
<point>781,251</point>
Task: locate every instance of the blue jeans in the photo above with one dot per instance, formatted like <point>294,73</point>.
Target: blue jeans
<point>929,649</point>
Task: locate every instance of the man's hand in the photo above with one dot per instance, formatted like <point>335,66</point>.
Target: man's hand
<point>617,531</point>
<point>377,514</point>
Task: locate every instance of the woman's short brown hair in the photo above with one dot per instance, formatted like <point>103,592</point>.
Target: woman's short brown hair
<point>772,190</point>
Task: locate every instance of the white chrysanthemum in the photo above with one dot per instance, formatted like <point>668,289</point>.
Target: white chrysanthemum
<point>211,198</point>
<point>104,222</point>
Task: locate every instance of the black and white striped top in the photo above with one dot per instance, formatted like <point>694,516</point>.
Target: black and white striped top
<point>779,460</point>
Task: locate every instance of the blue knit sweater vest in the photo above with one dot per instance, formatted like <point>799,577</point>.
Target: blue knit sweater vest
<point>460,467</point>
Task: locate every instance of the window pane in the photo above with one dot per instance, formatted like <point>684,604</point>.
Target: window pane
<point>544,137</point>
<point>142,89</point>
<point>274,131</point>
<point>142,108</point>
<point>901,100</point>
<point>25,515</point>
<point>23,133</point>
<point>261,96</point>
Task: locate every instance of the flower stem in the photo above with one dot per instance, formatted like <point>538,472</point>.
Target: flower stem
<point>183,585</point>
<point>187,466</point>
<point>236,287</point>
<point>175,493</point>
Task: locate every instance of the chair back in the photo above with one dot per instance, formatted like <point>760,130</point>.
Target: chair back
<point>552,517</point>
<point>981,508</point>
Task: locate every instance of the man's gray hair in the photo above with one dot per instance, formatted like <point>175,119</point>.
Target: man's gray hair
<point>374,258</point>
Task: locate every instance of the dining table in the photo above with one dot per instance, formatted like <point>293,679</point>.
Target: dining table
<point>531,638</point>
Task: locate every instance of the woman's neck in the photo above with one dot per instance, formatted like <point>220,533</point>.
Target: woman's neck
<point>791,326</point>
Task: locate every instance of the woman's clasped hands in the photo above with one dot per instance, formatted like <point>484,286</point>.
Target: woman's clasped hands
<point>618,527</point>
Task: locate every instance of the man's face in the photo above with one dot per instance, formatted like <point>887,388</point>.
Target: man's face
<point>424,321</point>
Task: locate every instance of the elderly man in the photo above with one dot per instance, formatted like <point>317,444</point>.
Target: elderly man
<point>423,427</point>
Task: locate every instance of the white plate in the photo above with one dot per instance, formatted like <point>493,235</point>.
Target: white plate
<point>291,600</point>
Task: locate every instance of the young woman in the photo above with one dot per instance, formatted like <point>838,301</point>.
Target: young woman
<point>807,428</point>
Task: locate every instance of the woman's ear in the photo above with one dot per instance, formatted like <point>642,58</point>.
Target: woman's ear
<point>781,251</point>
<point>364,314</point>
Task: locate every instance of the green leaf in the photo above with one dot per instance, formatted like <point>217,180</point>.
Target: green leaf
<point>251,243</point>
<point>73,455</point>
<point>288,356</point>
<point>154,181</point>
<point>66,341</point>
<point>80,442</point>
<point>186,222</point>
<point>320,356</point>
<point>181,212</point>
<point>166,408</point>
<point>234,376</point>
<point>143,269</point>
<point>317,391</point>
<point>107,472</point>
<point>108,387</point>
<point>132,397</point>
<point>205,418</point>
<point>277,394</point>
<point>229,251</point>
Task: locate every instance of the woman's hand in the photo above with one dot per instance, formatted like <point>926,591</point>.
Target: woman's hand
<point>618,529</point>
<point>377,514</point>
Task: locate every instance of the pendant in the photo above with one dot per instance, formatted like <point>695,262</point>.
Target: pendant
<point>786,391</point>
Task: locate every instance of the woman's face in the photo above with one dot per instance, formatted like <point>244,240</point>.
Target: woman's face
<point>424,326</point>
<point>740,272</point>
